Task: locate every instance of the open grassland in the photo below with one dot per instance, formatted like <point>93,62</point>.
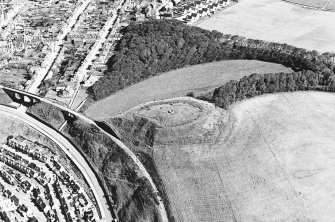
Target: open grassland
<point>277,21</point>
<point>178,83</point>
<point>271,161</point>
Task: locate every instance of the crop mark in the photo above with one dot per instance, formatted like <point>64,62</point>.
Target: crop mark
<point>277,156</point>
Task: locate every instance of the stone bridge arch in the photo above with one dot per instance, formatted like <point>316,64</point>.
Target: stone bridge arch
<point>21,97</point>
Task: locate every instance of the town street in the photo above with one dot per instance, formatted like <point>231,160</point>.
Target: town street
<point>81,73</point>
<point>56,47</point>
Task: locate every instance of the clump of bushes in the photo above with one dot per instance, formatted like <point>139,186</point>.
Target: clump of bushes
<point>47,113</point>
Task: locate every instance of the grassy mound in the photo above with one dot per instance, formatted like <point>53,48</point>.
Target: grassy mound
<point>271,160</point>
<point>156,126</point>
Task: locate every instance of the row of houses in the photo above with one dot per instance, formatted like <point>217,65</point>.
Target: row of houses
<point>19,166</point>
<point>193,11</point>
<point>73,200</point>
<point>63,202</point>
<point>45,204</point>
<point>32,34</point>
<point>77,45</point>
<point>33,149</point>
<point>11,204</point>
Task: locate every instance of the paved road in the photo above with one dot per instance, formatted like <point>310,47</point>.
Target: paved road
<point>118,142</point>
<point>56,47</point>
<point>103,35</point>
<point>71,151</point>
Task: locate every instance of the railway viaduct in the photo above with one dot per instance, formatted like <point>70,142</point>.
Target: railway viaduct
<point>28,99</point>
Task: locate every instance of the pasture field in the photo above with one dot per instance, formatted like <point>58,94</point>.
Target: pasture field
<point>271,161</point>
<point>178,83</point>
<point>277,21</point>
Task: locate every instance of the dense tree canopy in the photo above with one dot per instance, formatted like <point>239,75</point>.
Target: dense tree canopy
<point>152,47</point>
<point>258,84</point>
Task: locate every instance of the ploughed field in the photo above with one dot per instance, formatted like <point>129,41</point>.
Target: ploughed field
<point>278,21</point>
<point>178,83</point>
<point>269,158</point>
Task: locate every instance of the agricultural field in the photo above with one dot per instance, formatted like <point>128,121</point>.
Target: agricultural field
<point>277,21</point>
<point>311,3</point>
<point>331,5</point>
<point>319,4</point>
<point>179,82</point>
<point>271,159</point>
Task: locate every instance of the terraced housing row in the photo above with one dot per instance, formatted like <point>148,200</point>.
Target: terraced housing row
<point>34,174</point>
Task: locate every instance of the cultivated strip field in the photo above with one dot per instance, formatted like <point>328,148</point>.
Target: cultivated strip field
<point>273,161</point>
<point>178,83</point>
<point>277,21</point>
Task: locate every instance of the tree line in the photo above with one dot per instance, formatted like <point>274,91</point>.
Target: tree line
<point>259,84</point>
<point>153,47</point>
